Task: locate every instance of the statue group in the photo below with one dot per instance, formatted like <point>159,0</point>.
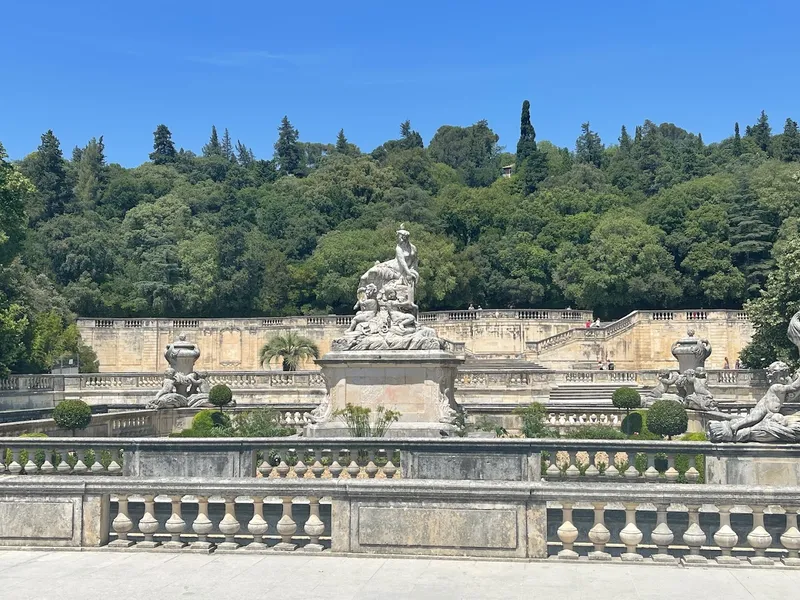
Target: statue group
<point>182,385</point>
<point>692,389</point>
<point>387,315</point>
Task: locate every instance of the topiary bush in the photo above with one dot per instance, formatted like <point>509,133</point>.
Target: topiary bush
<point>206,420</point>
<point>220,395</point>
<point>667,418</point>
<point>72,415</point>
<point>636,423</point>
<point>626,398</point>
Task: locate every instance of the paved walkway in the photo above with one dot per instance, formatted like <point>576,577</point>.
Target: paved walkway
<point>45,575</point>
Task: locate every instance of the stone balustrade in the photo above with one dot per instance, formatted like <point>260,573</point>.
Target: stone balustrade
<point>502,459</point>
<point>690,524</point>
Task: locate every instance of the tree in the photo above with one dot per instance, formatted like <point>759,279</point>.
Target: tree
<point>737,140</point>
<point>288,154</point>
<point>626,398</point>
<point>667,417</point>
<point>163,148</point>
<point>213,147</point>
<point>588,147</point>
<point>292,348</point>
<point>220,395</point>
<point>14,190</point>
<point>752,235</point>
<point>790,142</point>
<point>410,138</point>
<point>533,420</point>
<point>625,143</point>
<point>72,415</point>
<point>244,155</point>
<point>48,174</point>
<point>226,147</point>
<point>92,174</point>
<point>532,165</point>
<point>761,133</point>
<point>526,146</point>
<point>472,151</point>
<point>341,142</point>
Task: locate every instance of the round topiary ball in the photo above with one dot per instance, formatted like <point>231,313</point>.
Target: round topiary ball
<point>667,417</point>
<point>72,415</point>
<point>220,395</point>
<point>626,398</point>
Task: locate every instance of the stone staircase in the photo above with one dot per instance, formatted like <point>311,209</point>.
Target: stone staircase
<point>582,394</point>
<point>475,361</point>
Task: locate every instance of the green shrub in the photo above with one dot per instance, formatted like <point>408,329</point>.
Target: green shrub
<point>626,398</point>
<point>72,415</point>
<point>533,424</point>
<point>697,436</point>
<point>206,420</point>
<point>220,395</point>
<point>262,422</point>
<point>633,422</point>
<point>23,455</point>
<point>596,432</point>
<point>357,419</point>
<point>667,418</point>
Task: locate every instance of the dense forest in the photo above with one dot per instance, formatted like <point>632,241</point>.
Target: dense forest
<point>655,219</point>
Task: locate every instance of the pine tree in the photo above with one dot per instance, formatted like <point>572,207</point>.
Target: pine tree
<point>737,140</point>
<point>589,147</point>
<point>526,145</point>
<point>637,135</point>
<point>752,233</point>
<point>790,143</point>
<point>227,146</point>
<point>163,148</point>
<point>91,173</point>
<point>213,147</point>
<point>625,143</point>
<point>288,153</point>
<point>77,152</point>
<point>341,142</point>
<point>410,138</point>
<point>244,155</point>
<point>762,133</point>
<point>48,174</point>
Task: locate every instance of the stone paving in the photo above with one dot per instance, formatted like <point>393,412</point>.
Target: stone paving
<point>63,575</point>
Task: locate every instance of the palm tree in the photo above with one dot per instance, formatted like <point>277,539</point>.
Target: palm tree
<point>291,347</point>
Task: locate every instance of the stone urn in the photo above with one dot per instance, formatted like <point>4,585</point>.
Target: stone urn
<point>181,356</point>
<point>691,351</point>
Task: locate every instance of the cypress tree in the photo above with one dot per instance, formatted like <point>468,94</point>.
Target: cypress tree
<point>288,153</point>
<point>737,140</point>
<point>790,144</point>
<point>163,148</point>
<point>526,145</point>
<point>91,173</point>
<point>213,147</point>
<point>48,173</point>
<point>624,141</point>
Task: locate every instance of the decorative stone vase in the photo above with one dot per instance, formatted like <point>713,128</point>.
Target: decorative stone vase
<point>181,356</point>
<point>691,351</point>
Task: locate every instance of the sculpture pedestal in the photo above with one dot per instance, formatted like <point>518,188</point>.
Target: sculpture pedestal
<point>420,384</point>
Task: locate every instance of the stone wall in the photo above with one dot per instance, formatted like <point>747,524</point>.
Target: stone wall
<point>555,339</point>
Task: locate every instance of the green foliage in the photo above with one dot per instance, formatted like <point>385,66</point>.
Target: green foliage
<point>360,424</point>
<point>207,420</point>
<point>220,395</point>
<point>287,149</point>
<point>72,415</point>
<point>667,418</point>
<point>533,421</point>
<point>596,432</point>
<point>697,436</point>
<point>261,422</point>
<point>626,398</point>
<point>471,151</point>
<point>163,147</point>
<point>291,348</point>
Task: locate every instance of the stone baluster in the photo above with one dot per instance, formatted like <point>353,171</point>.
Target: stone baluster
<point>14,467</point>
<point>694,537</point>
<point>202,525</point>
<point>265,468</point>
<point>80,466</point>
<point>31,468</point>
<point>2,460</point>
<point>148,524</point>
<point>122,524</point>
<point>662,536</point>
<point>335,468</point>
<point>115,466</point>
<point>671,474</point>
<point>567,533</point>
<point>599,534</point>
<point>791,538</point>
<point>651,474</point>
<point>552,470</point>
<point>229,526</point>
<point>63,466</point>
<point>631,535</point>
<point>692,474</point>
<point>97,467</point>
<point>759,538</point>
<point>725,537</point>
<point>371,469</point>
<point>283,468</point>
<point>314,526</point>
<point>631,472</point>
<point>286,527</point>
<point>353,469</point>
<point>317,469</point>
<point>257,526</point>
<point>592,470</point>
<point>389,469</point>
<point>47,466</point>
<point>175,525</point>
<point>300,468</point>
<point>611,470</point>
<point>572,465</point>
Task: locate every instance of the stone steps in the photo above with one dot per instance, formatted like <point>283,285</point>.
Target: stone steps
<point>587,393</point>
<point>475,361</point>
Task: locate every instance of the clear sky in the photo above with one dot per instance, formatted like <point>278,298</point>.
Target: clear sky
<point>119,68</point>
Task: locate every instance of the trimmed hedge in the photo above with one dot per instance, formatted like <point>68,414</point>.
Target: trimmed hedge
<point>220,395</point>
<point>72,415</point>
<point>667,417</point>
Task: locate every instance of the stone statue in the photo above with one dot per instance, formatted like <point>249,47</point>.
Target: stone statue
<point>666,379</point>
<point>691,352</point>
<point>182,386</point>
<point>693,389</point>
<point>765,423</point>
<point>387,316</point>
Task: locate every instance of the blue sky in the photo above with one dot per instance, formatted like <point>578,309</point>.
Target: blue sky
<point>118,69</point>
